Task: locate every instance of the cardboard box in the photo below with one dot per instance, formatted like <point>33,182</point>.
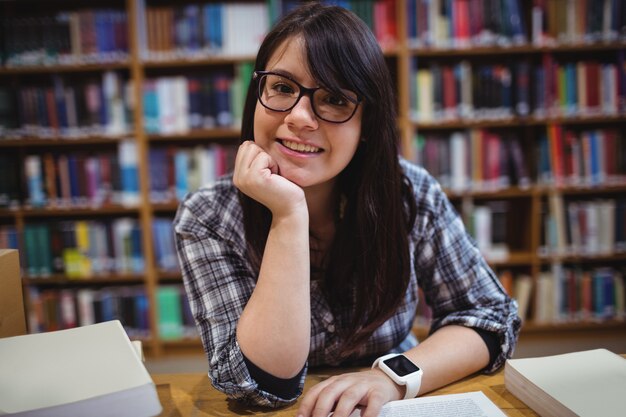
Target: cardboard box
<point>12,315</point>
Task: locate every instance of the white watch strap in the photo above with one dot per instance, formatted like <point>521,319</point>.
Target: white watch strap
<point>411,390</point>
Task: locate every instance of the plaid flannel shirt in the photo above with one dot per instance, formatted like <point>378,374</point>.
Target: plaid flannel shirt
<point>458,285</point>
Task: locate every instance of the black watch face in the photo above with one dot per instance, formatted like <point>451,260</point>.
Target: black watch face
<point>401,365</point>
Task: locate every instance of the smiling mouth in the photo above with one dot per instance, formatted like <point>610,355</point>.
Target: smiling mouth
<point>300,147</point>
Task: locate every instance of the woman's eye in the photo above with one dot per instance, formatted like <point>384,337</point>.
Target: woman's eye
<point>283,88</point>
<point>335,100</point>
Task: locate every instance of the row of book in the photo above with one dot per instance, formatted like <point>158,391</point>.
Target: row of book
<point>576,21</point>
<point>579,88</point>
<point>194,31</point>
<point>467,91</point>
<point>81,249</point>
<point>197,30</point>
<point>56,309</point>
<point>573,294</point>
<point>165,254</point>
<point>8,237</point>
<point>178,104</point>
<point>477,159</point>
<point>585,158</point>
<point>487,224</point>
<point>583,227</point>
<point>69,37</point>
<point>465,23</point>
<point>177,171</point>
<point>95,105</point>
<point>502,23</point>
<point>83,179</point>
<point>91,179</point>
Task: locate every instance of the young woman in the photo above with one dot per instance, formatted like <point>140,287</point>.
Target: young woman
<point>312,251</point>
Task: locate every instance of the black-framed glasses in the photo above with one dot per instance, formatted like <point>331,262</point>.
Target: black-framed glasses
<point>279,92</point>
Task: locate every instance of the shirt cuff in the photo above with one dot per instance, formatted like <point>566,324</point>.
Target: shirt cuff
<point>282,388</point>
<point>493,344</point>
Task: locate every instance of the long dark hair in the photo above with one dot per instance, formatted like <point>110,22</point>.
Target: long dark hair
<point>368,265</point>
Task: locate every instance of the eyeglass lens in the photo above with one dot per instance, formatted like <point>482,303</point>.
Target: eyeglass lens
<point>281,94</point>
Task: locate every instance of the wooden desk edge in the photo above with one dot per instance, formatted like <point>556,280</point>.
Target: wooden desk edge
<point>192,394</point>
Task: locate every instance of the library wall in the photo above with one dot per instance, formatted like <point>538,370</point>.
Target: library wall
<point>111,113</point>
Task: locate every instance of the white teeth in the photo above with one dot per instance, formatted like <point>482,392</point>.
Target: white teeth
<point>300,147</point>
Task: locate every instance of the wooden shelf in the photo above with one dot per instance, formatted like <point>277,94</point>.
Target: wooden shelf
<point>217,133</point>
<point>54,68</point>
<point>514,49</point>
<point>64,280</point>
<point>516,121</point>
<point>582,191</point>
<point>506,193</point>
<point>113,210</point>
<point>598,325</point>
<point>599,258</point>
<point>60,141</point>
<point>169,276</point>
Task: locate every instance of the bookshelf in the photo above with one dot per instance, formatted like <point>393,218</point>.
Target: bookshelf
<point>146,68</point>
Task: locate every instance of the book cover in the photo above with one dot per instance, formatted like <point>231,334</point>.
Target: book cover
<point>92,370</point>
<point>583,384</point>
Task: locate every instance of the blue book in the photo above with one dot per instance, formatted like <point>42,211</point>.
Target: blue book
<point>221,89</point>
<point>99,17</point>
<point>136,253</point>
<point>181,167</point>
<point>59,100</point>
<point>594,156</point>
<point>74,173</point>
<point>34,178</point>
<point>411,12</point>
<point>129,172</point>
<point>158,165</point>
<point>192,18</point>
<point>570,88</point>
<point>216,12</point>
<point>150,107</point>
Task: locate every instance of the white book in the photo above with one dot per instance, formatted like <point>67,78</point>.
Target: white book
<point>583,384</point>
<point>521,292</point>
<point>467,404</point>
<point>458,156</point>
<point>85,371</point>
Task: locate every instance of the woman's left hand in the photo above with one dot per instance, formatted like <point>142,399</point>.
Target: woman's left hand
<point>370,389</point>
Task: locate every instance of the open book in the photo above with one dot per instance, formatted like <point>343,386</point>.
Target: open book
<point>86,371</point>
<point>585,384</point>
<point>470,404</point>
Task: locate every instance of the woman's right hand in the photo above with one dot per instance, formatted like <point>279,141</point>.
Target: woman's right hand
<point>257,175</point>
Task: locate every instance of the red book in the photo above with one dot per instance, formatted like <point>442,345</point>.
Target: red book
<point>568,155</point>
<point>106,183</point>
<point>462,23</point>
<point>593,86</point>
<point>449,91</point>
<point>51,108</point>
<point>572,293</point>
<point>586,296</point>
<point>555,136</point>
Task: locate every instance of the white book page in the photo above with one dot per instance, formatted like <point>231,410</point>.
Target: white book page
<point>470,404</point>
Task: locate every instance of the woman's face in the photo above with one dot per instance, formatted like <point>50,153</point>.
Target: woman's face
<point>308,150</point>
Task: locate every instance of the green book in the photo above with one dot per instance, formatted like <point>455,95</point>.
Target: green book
<point>170,313</point>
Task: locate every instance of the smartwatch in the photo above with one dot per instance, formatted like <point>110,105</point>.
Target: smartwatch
<point>401,371</point>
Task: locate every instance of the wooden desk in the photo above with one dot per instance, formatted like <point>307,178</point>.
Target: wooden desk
<point>191,395</point>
